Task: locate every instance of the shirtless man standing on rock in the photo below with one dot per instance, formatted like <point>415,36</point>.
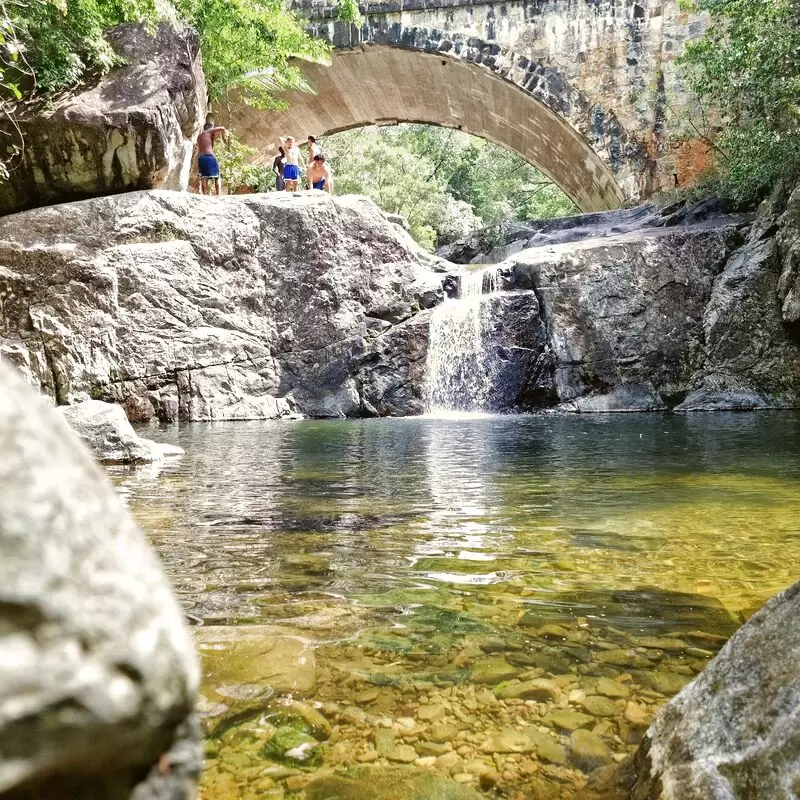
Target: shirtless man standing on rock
<point>207,164</point>
<point>291,170</point>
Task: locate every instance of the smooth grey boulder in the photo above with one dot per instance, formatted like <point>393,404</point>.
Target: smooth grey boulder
<point>388,783</point>
<point>98,675</point>
<point>106,431</point>
<point>180,306</point>
<point>734,732</point>
<point>722,399</point>
<point>627,397</point>
<point>134,130</point>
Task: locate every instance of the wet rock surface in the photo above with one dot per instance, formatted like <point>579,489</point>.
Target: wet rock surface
<point>134,130</point>
<point>688,308</point>
<point>517,236</point>
<point>99,675</point>
<point>106,431</point>
<point>733,731</point>
<point>192,308</point>
<point>389,784</point>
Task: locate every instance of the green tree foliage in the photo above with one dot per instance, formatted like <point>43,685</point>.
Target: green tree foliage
<point>63,40</point>
<point>446,183</point>
<point>747,67</point>
<point>246,44</point>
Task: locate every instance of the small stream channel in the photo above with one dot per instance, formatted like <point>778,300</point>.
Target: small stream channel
<point>501,601</point>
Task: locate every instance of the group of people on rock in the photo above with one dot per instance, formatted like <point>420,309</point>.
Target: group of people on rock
<point>286,166</point>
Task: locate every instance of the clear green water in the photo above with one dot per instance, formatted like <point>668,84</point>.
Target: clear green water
<point>419,592</point>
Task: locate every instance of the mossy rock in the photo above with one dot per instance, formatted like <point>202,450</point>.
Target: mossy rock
<point>293,744</point>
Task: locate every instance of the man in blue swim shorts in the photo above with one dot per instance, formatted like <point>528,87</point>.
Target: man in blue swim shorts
<point>291,169</point>
<point>207,164</point>
<point>319,174</point>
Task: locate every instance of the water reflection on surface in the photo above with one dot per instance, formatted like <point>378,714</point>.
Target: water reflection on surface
<point>438,564</point>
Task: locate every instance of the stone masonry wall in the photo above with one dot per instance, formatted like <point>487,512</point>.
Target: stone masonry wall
<point>619,54</point>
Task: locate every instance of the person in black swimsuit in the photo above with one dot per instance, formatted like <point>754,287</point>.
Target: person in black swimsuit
<point>277,168</point>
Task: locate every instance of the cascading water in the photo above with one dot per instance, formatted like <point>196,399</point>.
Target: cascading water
<point>459,368</point>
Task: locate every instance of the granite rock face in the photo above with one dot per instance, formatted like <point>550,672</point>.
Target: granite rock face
<point>788,244</point>
<point>134,130</point>
<point>185,307</point>
<point>98,673</point>
<point>733,732</point>
<point>243,307</point>
<point>687,308</point>
<point>624,315</point>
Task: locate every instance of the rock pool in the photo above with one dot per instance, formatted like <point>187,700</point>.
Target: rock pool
<point>460,608</point>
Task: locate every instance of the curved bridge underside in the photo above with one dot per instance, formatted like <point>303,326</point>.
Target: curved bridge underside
<point>381,84</point>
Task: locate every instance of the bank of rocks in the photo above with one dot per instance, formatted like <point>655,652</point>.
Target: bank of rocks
<point>640,311</point>
<point>199,308</point>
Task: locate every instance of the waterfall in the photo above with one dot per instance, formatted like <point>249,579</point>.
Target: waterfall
<point>459,372</point>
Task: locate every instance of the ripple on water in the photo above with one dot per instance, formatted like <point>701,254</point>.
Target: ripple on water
<point>506,600</point>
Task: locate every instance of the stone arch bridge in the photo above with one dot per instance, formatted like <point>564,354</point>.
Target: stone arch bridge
<point>587,90</point>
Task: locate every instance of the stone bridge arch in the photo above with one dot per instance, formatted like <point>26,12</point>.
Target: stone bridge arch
<point>387,75</point>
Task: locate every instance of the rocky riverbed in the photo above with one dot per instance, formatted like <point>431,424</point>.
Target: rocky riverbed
<point>528,716</point>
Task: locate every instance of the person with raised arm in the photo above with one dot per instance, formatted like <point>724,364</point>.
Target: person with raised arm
<point>207,164</point>
<point>291,169</point>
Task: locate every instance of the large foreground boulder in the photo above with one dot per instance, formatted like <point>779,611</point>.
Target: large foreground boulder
<point>734,732</point>
<point>200,308</point>
<point>97,671</point>
<point>134,130</point>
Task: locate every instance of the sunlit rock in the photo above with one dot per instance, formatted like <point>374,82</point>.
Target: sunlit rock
<point>257,656</point>
<point>383,783</point>
<point>105,429</point>
<point>201,308</point>
<point>134,130</point>
<point>733,732</point>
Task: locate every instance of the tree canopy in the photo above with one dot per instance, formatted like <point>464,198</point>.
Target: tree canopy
<point>747,68</point>
<point>49,45</point>
<point>446,183</point>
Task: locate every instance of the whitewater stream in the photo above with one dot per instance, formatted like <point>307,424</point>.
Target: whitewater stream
<point>460,373</point>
